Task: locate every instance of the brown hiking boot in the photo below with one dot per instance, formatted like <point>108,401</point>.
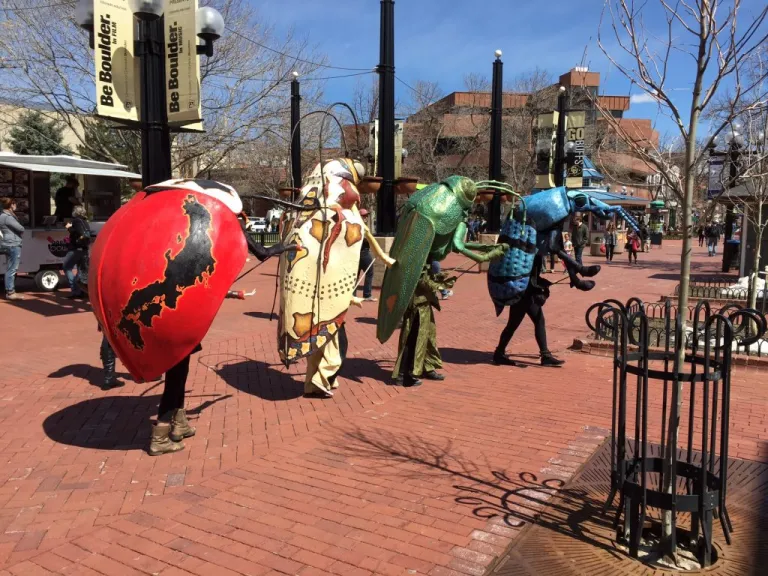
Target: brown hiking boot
<point>180,427</point>
<point>161,443</point>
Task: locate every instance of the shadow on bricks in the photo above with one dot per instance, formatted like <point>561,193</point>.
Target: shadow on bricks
<point>356,369</point>
<point>94,375</point>
<point>50,305</point>
<point>261,379</point>
<point>261,315</point>
<point>494,496</point>
<point>107,423</point>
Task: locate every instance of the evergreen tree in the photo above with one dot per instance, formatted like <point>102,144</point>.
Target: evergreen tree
<point>110,144</point>
<point>35,135</point>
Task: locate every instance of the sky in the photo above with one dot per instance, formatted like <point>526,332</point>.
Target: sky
<point>444,40</point>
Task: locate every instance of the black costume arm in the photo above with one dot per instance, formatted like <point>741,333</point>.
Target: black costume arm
<point>260,251</point>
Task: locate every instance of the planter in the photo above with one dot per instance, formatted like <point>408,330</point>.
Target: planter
<point>369,185</point>
<point>406,185</point>
<point>484,196</point>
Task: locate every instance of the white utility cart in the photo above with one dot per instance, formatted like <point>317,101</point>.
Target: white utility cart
<point>26,179</point>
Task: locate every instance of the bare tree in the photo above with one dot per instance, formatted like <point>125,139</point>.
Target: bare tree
<point>245,85</point>
<point>715,44</point>
<point>531,94</point>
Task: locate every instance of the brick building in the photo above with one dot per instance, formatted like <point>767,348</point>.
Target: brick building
<point>451,135</point>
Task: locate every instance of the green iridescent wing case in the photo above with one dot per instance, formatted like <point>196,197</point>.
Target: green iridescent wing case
<point>413,241</point>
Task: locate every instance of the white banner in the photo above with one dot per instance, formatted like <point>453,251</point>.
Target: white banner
<point>182,64</point>
<point>398,148</point>
<point>113,36</point>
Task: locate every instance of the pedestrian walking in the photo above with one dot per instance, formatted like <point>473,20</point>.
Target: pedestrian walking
<point>531,304</point>
<point>632,246</point>
<point>79,241</point>
<point>580,239</point>
<point>645,237</point>
<point>713,235</point>
<point>702,235</point>
<point>11,231</point>
<point>609,239</point>
<point>435,268</point>
<point>365,266</point>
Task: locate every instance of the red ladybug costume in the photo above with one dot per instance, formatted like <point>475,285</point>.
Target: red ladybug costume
<point>160,269</point>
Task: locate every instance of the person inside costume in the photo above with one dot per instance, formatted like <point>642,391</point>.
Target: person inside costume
<point>531,303</point>
<point>418,355</point>
<point>365,266</point>
<point>172,424</point>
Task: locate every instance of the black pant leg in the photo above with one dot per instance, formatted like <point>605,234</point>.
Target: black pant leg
<point>173,392</point>
<point>107,360</point>
<point>365,262</point>
<point>516,314</point>
<point>536,314</point>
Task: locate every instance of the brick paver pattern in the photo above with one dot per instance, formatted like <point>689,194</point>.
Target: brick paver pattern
<point>378,480</point>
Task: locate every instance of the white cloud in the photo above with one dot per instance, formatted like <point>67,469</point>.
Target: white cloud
<point>643,98</point>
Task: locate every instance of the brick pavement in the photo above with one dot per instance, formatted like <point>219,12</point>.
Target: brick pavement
<point>377,480</point>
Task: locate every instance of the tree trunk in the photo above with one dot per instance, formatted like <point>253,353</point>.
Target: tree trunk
<point>756,257</point>
<point>668,542</point>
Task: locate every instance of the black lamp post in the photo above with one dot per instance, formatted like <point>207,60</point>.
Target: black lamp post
<point>150,48</point>
<point>295,134</point>
<point>494,161</point>
<point>559,165</point>
<point>385,200</point>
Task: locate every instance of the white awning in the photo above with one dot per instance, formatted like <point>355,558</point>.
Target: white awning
<point>65,164</point>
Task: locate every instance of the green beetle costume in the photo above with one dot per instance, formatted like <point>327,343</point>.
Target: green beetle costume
<point>431,226</point>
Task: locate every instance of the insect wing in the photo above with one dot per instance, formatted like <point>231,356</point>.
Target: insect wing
<point>413,241</point>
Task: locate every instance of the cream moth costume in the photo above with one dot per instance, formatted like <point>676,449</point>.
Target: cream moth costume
<point>318,280</point>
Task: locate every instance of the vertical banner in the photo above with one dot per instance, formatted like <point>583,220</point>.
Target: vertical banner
<point>574,146</point>
<point>546,134</point>
<point>715,180</point>
<point>398,148</point>
<point>113,35</point>
<point>182,64</point>
<point>373,144</point>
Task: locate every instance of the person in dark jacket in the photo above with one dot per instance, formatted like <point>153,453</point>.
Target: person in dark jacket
<point>365,266</point>
<point>11,231</point>
<point>66,199</point>
<point>531,304</point>
<point>580,239</point>
<point>77,255</point>
<point>713,235</point>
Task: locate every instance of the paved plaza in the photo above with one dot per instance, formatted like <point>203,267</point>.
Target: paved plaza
<point>380,479</point>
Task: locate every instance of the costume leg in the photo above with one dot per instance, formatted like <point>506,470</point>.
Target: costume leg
<point>173,392</point>
<point>432,359</point>
<point>321,366</point>
<point>108,361</point>
<point>403,353</point>
<point>365,261</point>
<point>536,314</point>
<point>343,347</point>
<point>516,314</point>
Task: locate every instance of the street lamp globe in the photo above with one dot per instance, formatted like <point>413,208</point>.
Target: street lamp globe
<point>147,9</point>
<point>210,24</point>
<point>570,147</point>
<point>736,127</point>
<point>498,54</point>
<point>84,14</point>
<point>738,139</point>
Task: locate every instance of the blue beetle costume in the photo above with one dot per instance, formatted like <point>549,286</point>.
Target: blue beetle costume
<point>534,228</point>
